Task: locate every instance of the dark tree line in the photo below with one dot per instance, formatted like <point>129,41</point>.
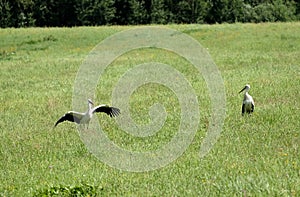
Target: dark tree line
<point>28,13</point>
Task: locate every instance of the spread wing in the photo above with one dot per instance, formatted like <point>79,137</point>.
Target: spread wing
<point>70,116</point>
<point>111,111</point>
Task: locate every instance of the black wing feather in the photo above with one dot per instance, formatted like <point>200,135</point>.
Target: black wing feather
<point>111,111</point>
<point>68,117</point>
<point>243,109</point>
<point>252,107</point>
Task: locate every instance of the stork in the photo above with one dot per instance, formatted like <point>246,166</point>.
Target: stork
<point>248,103</point>
<point>84,118</point>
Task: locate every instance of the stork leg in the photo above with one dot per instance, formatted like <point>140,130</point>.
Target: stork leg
<point>82,127</point>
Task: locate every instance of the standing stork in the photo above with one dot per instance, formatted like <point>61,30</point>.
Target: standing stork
<point>248,103</point>
<point>84,118</point>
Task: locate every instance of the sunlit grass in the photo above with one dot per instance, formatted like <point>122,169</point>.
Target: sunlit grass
<point>257,155</point>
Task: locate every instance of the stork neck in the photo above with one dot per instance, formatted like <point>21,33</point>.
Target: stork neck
<point>90,107</point>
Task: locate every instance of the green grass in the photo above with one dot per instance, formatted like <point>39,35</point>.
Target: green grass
<point>254,156</point>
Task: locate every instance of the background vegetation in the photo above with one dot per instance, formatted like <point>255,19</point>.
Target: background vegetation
<point>28,13</point>
<point>254,156</point>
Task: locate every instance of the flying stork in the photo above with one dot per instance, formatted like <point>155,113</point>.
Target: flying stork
<point>84,118</point>
<point>248,103</point>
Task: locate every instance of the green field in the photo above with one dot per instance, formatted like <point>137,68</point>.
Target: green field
<point>254,156</point>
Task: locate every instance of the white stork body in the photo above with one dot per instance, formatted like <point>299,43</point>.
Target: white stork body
<point>248,103</point>
<point>84,118</point>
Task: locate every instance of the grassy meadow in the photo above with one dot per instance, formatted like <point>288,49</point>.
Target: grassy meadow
<point>254,156</point>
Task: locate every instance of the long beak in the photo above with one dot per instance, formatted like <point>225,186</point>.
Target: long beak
<point>242,89</point>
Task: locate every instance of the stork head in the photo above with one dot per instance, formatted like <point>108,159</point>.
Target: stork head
<point>90,102</point>
<point>246,88</point>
